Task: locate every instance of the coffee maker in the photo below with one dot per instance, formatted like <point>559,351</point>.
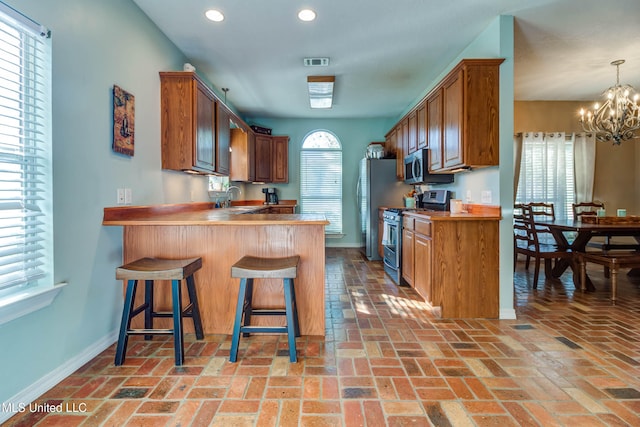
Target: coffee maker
<point>270,196</point>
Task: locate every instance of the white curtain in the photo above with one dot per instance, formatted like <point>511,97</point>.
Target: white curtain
<point>517,156</point>
<point>546,171</point>
<point>584,152</point>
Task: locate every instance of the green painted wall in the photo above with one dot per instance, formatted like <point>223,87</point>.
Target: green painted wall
<point>96,44</point>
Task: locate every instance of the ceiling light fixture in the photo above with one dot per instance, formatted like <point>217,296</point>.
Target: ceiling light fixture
<point>321,91</point>
<point>306,15</point>
<point>214,15</point>
<point>617,119</point>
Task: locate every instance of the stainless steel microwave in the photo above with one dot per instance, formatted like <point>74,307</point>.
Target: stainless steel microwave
<point>416,170</point>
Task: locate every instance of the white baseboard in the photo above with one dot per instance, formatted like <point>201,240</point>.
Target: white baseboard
<point>507,314</point>
<point>47,382</point>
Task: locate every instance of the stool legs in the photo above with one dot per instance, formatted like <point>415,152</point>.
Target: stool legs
<point>237,325</point>
<point>177,313</point>
<point>291,319</point>
<point>125,323</point>
<point>244,311</point>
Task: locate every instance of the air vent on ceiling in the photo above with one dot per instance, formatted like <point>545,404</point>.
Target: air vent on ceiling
<point>316,62</point>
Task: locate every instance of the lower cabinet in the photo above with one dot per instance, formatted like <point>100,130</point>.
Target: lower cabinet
<point>408,261</point>
<point>423,268</point>
<point>453,264</point>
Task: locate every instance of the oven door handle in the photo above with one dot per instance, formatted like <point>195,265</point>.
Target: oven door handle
<point>389,265</point>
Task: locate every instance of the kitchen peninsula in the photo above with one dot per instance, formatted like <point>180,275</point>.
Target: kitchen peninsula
<point>221,237</point>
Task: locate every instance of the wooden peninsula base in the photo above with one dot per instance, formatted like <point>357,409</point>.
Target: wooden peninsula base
<point>221,237</point>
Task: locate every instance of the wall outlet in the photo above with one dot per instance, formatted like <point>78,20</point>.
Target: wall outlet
<point>120,196</point>
<point>127,196</point>
<point>468,199</point>
<point>486,197</point>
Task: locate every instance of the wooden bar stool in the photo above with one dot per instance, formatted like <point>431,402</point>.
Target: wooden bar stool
<point>249,268</point>
<point>150,269</point>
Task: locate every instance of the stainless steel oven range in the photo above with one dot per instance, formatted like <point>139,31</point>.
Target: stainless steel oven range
<point>392,242</point>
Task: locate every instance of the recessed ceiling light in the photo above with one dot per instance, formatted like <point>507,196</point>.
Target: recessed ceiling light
<point>306,15</point>
<point>214,15</point>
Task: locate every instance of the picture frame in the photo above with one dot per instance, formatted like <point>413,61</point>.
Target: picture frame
<point>123,121</point>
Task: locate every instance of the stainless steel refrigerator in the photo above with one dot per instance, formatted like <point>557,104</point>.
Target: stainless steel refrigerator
<point>377,186</point>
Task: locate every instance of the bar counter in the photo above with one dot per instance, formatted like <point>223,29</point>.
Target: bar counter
<point>221,237</point>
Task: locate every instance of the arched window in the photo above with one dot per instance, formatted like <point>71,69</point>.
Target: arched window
<point>321,178</point>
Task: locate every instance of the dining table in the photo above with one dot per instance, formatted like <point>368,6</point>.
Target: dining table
<point>574,235</point>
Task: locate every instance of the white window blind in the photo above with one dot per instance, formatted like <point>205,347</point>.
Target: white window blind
<point>546,172</point>
<point>321,178</point>
<point>25,152</point>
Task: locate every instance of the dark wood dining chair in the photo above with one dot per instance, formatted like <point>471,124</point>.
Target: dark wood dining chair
<point>521,238</point>
<point>527,242</point>
<point>583,209</point>
<point>541,211</point>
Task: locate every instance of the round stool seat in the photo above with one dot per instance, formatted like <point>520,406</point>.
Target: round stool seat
<point>251,267</point>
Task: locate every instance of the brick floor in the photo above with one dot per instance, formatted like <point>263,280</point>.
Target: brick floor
<point>570,359</point>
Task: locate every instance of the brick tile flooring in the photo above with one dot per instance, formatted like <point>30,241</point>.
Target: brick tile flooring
<point>570,359</point>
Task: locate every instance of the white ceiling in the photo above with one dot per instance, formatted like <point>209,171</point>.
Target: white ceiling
<point>385,53</point>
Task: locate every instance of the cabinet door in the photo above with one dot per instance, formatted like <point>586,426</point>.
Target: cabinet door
<point>205,120</point>
<point>223,136</point>
<point>452,152</point>
<point>280,159</point>
<point>434,130</point>
<point>263,158</point>
<point>422,272</point>
<point>412,132</point>
<point>407,257</point>
<point>243,167</point>
<point>422,125</point>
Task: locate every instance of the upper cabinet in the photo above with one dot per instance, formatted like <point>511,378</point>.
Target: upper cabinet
<point>272,158</point>
<point>470,111</point>
<point>223,139</point>
<point>243,146</point>
<point>457,120</point>
<point>188,123</point>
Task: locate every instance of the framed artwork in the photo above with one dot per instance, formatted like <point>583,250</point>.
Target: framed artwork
<point>123,121</point>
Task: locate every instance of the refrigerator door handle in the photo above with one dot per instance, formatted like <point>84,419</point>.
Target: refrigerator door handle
<point>358,196</point>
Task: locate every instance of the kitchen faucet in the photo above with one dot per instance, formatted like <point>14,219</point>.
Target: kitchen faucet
<point>227,202</point>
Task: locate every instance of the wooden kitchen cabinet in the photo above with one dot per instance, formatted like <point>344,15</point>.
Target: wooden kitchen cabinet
<point>280,159</point>
<point>434,129</point>
<point>272,158</point>
<point>188,123</point>
<point>223,139</point>
<point>408,262</point>
<point>393,147</point>
<point>412,132</point>
<point>243,146</point>
<point>454,264</point>
<point>263,158</point>
<point>470,113</point>
<point>421,112</point>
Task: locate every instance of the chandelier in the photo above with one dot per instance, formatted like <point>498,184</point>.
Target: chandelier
<point>617,119</point>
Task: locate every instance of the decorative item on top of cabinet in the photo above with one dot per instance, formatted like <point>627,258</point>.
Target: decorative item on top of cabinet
<point>243,146</point>
<point>470,115</point>
<point>187,123</point>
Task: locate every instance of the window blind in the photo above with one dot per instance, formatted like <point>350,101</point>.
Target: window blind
<point>321,186</point>
<point>25,155</point>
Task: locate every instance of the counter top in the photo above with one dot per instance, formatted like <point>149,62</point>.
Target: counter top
<point>447,216</point>
<point>203,214</point>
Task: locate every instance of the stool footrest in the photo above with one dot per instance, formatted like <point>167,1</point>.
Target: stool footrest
<point>150,331</point>
<point>266,329</point>
<point>268,312</point>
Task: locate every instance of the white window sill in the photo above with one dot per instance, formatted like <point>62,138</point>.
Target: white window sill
<point>334,235</point>
<point>15,306</point>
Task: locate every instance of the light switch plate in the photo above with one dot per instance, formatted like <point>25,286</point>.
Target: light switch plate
<point>486,197</point>
<point>127,196</point>
<point>120,196</point>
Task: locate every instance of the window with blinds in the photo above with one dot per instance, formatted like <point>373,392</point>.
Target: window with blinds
<point>25,154</point>
<point>321,178</point>
<point>547,173</point>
